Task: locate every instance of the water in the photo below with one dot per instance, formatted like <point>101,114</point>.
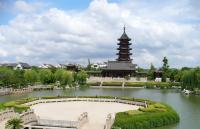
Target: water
<point>188,107</point>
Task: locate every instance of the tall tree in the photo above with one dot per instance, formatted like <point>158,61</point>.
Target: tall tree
<point>30,76</point>
<point>165,69</point>
<point>151,71</point>
<point>46,76</point>
<point>6,76</point>
<point>81,77</point>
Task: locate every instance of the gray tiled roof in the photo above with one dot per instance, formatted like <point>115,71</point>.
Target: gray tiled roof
<point>25,65</point>
<point>120,65</point>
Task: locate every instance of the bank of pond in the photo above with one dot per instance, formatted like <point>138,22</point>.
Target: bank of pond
<point>150,84</point>
<point>152,115</point>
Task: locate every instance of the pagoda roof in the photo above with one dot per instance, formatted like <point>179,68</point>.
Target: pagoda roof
<point>124,36</point>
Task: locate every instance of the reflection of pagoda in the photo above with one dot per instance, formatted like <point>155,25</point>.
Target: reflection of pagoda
<point>123,65</point>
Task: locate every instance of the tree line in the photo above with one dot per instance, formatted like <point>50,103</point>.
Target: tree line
<point>22,78</point>
<point>189,77</point>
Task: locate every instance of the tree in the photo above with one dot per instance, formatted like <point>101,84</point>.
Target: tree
<point>6,76</point>
<point>58,74</point>
<point>165,69</point>
<point>64,77</point>
<point>46,76</point>
<point>30,76</point>
<point>81,77</point>
<point>18,79</point>
<point>14,123</point>
<point>67,78</point>
<point>151,71</point>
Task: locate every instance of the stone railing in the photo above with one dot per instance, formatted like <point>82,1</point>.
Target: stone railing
<point>82,120</point>
<point>110,79</point>
<point>7,114</point>
<point>144,104</point>
<point>109,121</point>
<point>57,123</point>
<point>28,117</point>
<point>64,123</point>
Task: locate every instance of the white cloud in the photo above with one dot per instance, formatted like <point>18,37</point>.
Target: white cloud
<point>59,36</point>
<point>23,6</point>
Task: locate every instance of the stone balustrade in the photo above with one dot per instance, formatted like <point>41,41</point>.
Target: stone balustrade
<point>144,104</point>
<point>110,79</point>
<point>7,114</point>
<point>82,120</point>
<point>109,121</point>
<point>28,117</point>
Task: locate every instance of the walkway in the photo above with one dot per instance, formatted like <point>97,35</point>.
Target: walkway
<point>97,111</point>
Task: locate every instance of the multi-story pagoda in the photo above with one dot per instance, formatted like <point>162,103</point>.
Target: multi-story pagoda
<point>123,65</point>
<point>124,48</point>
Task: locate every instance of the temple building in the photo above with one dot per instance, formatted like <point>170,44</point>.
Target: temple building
<point>123,65</point>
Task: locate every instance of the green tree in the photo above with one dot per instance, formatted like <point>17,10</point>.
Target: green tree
<point>165,69</point>
<point>151,71</point>
<point>30,76</point>
<point>67,78</point>
<point>46,76</point>
<point>191,79</point>
<point>58,74</point>
<point>81,77</point>
<point>6,76</point>
<point>14,123</point>
<point>18,79</point>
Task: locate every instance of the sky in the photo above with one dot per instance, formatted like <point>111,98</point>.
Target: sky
<point>73,31</point>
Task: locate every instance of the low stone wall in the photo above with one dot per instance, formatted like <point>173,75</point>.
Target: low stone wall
<point>7,114</point>
<point>110,79</point>
<point>86,99</point>
<point>64,123</point>
<point>28,117</point>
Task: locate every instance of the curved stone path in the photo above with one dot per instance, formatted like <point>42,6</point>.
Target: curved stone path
<point>97,111</point>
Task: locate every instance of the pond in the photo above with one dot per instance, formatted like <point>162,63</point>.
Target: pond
<point>188,107</point>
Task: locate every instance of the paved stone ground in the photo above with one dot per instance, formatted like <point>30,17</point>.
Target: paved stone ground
<point>97,111</point>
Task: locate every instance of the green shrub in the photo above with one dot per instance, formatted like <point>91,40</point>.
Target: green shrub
<point>156,115</point>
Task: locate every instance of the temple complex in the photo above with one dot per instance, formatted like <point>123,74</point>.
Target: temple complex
<point>123,65</point>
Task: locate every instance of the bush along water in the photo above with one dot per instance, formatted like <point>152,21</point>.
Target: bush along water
<point>155,115</point>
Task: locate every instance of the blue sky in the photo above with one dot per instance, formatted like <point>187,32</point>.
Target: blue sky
<point>71,31</point>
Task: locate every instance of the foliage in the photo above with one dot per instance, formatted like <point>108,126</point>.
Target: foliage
<point>30,76</point>
<point>6,76</point>
<point>64,77</point>
<point>46,76</point>
<point>14,123</point>
<point>191,79</point>
<point>156,115</point>
<point>165,69</point>
<point>150,74</point>
<point>81,77</point>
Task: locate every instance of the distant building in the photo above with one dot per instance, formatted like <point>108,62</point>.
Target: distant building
<point>99,65</point>
<point>47,66</point>
<point>123,65</point>
<point>15,66</point>
<point>61,66</point>
<point>73,67</point>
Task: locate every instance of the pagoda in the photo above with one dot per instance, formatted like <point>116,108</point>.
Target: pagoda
<point>124,47</point>
<point>123,65</point>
